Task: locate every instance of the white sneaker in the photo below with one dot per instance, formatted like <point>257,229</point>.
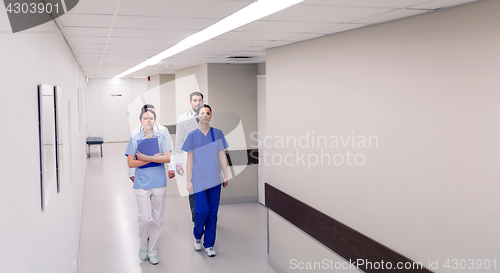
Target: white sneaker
<point>210,251</point>
<point>143,255</point>
<point>154,260</point>
<point>197,244</point>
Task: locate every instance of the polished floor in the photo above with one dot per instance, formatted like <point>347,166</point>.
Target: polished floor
<point>109,235</point>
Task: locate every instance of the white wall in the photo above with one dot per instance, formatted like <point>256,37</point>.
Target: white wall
<point>427,88</point>
<point>153,90</point>
<point>262,133</point>
<point>32,240</point>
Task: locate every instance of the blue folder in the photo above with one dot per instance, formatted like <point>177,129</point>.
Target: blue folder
<point>148,146</point>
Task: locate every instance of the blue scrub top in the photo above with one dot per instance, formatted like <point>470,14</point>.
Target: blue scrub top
<point>206,165</point>
<point>152,177</point>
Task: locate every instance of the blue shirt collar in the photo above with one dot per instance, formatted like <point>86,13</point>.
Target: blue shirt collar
<point>191,113</point>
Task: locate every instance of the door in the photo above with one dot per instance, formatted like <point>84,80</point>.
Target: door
<point>116,99</point>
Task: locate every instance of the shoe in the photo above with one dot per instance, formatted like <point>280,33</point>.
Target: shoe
<point>143,255</point>
<point>197,244</point>
<point>210,251</point>
<point>153,260</point>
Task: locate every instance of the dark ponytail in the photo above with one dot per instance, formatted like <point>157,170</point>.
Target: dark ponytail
<point>147,110</point>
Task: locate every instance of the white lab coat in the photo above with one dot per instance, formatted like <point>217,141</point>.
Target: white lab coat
<point>185,124</point>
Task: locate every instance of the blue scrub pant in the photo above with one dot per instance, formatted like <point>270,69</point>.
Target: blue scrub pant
<point>206,208</point>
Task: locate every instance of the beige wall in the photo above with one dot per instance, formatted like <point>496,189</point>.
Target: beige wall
<point>261,69</point>
<point>233,89</point>
<point>427,88</point>
<point>188,80</point>
<point>167,99</point>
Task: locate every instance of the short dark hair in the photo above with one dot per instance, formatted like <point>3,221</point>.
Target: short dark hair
<point>147,106</point>
<point>195,93</point>
<point>204,106</point>
<point>144,110</point>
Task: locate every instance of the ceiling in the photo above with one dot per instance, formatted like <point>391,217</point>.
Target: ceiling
<point>108,37</point>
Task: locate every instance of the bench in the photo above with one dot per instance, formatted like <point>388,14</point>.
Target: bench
<point>94,141</point>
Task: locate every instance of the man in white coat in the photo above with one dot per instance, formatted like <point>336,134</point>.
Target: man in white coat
<point>185,124</point>
<point>163,130</point>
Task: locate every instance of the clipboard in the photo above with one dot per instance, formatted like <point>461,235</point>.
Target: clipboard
<point>148,146</point>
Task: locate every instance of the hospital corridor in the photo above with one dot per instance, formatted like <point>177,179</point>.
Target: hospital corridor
<point>269,136</point>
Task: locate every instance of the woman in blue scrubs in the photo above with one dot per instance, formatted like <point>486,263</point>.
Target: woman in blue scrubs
<point>150,184</point>
<point>206,157</point>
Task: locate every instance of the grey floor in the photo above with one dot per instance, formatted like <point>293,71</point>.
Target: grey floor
<point>109,234</point>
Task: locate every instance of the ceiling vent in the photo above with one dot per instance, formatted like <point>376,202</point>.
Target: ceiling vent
<point>239,58</point>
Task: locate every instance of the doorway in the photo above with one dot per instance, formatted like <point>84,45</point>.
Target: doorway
<point>116,99</point>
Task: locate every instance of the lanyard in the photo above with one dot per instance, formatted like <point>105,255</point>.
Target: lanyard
<point>212,133</point>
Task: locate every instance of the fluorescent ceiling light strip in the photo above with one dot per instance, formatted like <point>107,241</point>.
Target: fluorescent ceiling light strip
<point>248,14</point>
